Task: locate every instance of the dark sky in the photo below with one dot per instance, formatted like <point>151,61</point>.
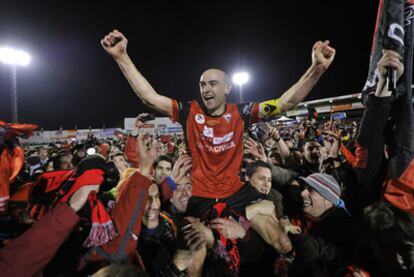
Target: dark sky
<point>71,80</point>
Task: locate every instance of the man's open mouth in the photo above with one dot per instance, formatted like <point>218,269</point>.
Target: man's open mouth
<point>307,203</point>
<point>208,97</point>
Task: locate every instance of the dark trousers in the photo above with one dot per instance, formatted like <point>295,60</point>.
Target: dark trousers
<point>200,206</point>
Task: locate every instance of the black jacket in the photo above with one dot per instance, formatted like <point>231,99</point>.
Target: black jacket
<point>158,247</point>
<point>327,246</point>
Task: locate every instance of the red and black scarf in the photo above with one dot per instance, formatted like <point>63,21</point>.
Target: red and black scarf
<point>103,229</point>
<point>226,249</point>
<point>59,186</point>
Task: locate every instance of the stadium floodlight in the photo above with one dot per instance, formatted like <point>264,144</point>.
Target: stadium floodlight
<point>240,79</point>
<point>14,58</point>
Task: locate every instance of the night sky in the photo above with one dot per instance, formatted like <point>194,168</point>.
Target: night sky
<point>72,81</point>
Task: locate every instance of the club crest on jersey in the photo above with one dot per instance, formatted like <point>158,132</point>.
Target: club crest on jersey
<point>227,117</point>
<point>199,118</point>
<point>208,132</point>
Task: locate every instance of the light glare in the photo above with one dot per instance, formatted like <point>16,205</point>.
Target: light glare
<point>91,151</point>
<point>13,56</point>
<point>240,78</point>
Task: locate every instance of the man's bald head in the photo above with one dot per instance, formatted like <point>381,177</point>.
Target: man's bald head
<point>215,86</point>
<point>219,72</point>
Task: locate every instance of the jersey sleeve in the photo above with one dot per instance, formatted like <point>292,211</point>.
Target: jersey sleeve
<point>258,111</point>
<point>176,108</point>
<point>249,112</point>
<point>180,111</point>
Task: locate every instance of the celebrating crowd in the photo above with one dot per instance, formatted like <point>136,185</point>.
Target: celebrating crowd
<point>236,195</point>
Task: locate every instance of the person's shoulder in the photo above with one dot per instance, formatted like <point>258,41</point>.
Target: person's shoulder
<point>182,103</point>
<point>275,194</point>
<point>337,215</point>
<point>246,109</point>
<point>191,104</point>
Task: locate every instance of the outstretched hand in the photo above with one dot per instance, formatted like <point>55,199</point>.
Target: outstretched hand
<point>263,207</point>
<point>115,44</point>
<point>228,227</point>
<point>390,59</point>
<point>274,133</point>
<point>288,227</point>
<point>181,167</point>
<point>195,240</point>
<point>196,226</point>
<point>146,147</point>
<point>79,198</point>
<point>322,55</point>
<point>255,148</point>
<point>139,122</point>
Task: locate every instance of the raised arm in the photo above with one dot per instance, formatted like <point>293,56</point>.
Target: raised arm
<point>115,44</point>
<point>281,144</point>
<point>322,57</point>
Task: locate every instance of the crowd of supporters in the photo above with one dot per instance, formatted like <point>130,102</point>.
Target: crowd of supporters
<point>235,195</point>
<point>306,171</point>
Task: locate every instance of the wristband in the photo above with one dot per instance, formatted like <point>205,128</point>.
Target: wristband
<point>171,183</point>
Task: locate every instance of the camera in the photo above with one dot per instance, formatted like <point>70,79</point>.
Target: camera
<point>147,117</point>
<point>259,132</point>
